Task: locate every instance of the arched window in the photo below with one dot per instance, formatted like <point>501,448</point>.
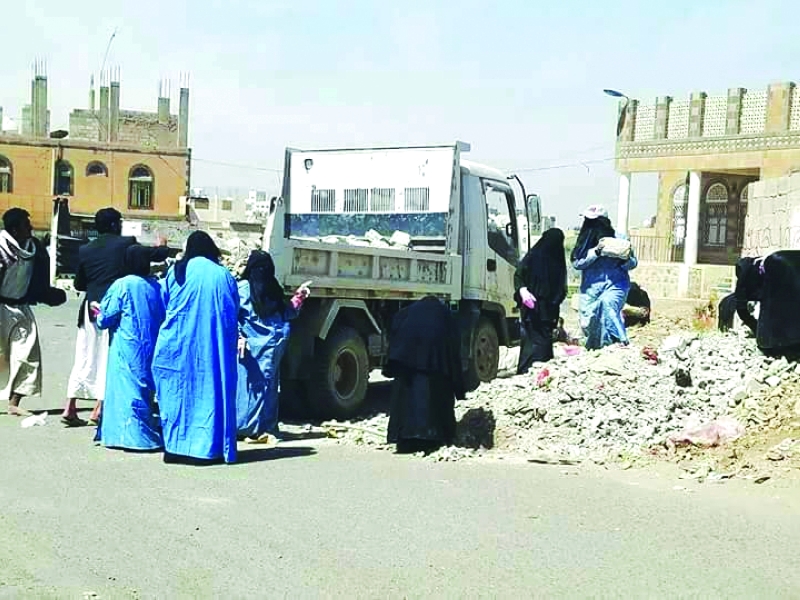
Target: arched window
<point>743,196</point>
<point>140,188</point>
<point>679,215</point>
<point>64,177</point>
<point>96,169</point>
<point>716,216</point>
<point>5,176</point>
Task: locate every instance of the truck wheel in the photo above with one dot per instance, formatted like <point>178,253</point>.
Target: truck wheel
<point>485,358</point>
<point>341,373</point>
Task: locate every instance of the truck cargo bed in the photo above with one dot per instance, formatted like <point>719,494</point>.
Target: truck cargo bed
<point>370,272</point>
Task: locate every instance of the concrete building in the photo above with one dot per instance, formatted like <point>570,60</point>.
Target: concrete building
<point>138,162</point>
<point>707,150</point>
<point>257,205</point>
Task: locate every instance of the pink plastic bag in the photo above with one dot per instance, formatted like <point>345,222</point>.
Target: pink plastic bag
<point>714,433</point>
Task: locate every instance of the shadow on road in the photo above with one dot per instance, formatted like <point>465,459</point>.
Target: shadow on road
<point>263,454</point>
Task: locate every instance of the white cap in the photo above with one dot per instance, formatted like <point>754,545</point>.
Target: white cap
<point>594,211</point>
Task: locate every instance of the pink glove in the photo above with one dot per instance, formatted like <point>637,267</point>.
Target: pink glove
<point>527,298</point>
<point>299,297</point>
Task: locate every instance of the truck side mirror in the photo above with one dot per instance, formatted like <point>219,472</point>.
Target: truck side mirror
<point>533,207</point>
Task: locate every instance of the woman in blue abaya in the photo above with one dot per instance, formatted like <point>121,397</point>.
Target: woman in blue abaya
<point>194,365</point>
<point>264,317</point>
<point>133,311</point>
<point>605,281</point>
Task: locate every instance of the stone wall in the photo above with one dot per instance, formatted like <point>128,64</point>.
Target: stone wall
<point>660,280</point>
<point>773,216</point>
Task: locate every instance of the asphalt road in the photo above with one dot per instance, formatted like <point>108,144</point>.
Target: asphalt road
<point>314,519</point>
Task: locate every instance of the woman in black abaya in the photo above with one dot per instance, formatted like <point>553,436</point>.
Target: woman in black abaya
<point>541,284</point>
<point>425,362</point>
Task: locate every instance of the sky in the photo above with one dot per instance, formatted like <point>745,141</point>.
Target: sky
<point>521,81</point>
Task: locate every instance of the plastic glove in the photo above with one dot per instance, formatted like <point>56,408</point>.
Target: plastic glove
<point>527,298</point>
<point>94,308</point>
<point>299,297</point>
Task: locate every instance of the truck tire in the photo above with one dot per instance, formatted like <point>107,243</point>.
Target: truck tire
<point>485,359</point>
<point>340,374</point>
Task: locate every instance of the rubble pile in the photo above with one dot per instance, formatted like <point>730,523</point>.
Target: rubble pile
<point>620,402</point>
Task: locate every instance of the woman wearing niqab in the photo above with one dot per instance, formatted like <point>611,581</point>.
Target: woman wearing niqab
<point>424,360</point>
<point>264,326</point>
<point>541,284</point>
<point>605,281</point>
<point>133,310</point>
<point>194,365</point>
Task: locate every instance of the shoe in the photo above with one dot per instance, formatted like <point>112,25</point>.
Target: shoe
<point>73,421</point>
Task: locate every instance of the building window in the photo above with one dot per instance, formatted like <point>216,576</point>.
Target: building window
<point>140,188</point>
<point>96,169</point>
<point>417,199</point>
<point>742,214</point>
<point>716,216</point>
<point>355,200</point>
<point>323,201</point>
<point>227,205</point>
<point>381,200</point>
<point>5,176</point>
<point>63,184</point>
<point>679,198</point>
<point>201,203</point>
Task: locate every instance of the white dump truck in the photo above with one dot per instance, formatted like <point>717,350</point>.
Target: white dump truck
<point>375,229</point>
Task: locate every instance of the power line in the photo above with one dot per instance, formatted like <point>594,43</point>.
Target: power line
<point>235,166</point>
<point>581,163</point>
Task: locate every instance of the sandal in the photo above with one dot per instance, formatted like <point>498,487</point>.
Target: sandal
<point>73,421</point>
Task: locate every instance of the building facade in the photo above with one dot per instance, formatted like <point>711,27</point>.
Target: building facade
<point>707,151</point>
<point>137,162</point>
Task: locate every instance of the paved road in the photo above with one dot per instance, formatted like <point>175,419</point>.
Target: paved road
<point>314,519</point>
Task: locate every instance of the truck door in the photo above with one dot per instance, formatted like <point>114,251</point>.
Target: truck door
<point>473,238</point>
<point>503,243</point>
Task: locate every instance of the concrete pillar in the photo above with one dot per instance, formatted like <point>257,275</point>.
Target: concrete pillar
<point>163,110</point>
<point>113,112</point>
<point>104,105</point>
<point>630,107</point>
<point>624,203</point>
<point>41,106</point>
<point>1,119</point>
<point>779,104</point>
<point>662,117</point>
<point>31,130</point>
<point>690,243</point>
<point>734,115</point>
<point>183,119</point>
<point>697,114</point>
<point>91,93</point>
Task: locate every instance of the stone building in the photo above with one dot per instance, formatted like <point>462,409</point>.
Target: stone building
<point>707,150</point>
<point>138,162</point>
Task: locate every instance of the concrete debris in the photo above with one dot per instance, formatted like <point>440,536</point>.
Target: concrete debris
<point>618,404</point>
<point>371,239</point>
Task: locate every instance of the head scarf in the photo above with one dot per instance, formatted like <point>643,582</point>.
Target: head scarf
<point>545,267</point>
<point>137,261</point>
<point>198,244</point>
<point>266,293</point>
<point>595,226</point>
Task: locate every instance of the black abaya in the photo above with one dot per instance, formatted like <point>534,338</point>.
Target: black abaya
<point>543,272</point>
<point>425,362</point>
<point>778,330</point>
<point>536,339</point>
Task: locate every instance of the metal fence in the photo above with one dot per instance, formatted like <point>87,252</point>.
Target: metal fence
<point>650,248</point>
